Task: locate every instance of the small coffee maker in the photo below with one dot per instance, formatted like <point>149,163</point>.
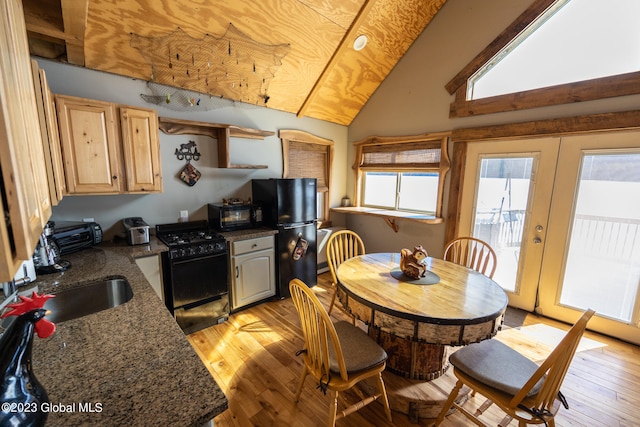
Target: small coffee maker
<point>46,258</point>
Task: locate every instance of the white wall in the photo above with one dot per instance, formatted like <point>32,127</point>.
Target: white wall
<point>413,100</point>
<point>215,183</point>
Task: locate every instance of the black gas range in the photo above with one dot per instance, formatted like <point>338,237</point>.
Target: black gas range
<point>190,239</point>
<point>195,274</point>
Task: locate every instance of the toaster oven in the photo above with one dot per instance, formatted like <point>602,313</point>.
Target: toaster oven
<point>73,236</point>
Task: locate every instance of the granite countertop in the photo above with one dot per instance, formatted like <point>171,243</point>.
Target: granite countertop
<point>133,360</point>
<point>250,233</point>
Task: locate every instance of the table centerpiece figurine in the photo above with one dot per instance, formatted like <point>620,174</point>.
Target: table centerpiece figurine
<point>412,263</point>
<point>21,394</point>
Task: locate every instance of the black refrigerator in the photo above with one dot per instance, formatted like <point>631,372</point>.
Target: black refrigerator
<point>289,206</point>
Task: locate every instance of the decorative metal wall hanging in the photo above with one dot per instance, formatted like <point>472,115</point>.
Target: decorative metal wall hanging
<point>185,153</point>
<point>233,66</point>
<point>189,174</point>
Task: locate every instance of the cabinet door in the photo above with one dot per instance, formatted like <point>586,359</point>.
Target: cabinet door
<point>90,145</point>
<point>253,277</point>
<point>141,149</point>
<point>50,136</point>
<point>25,198</point>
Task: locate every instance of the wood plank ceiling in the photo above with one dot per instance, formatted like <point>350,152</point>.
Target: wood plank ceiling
<point>320,76</point>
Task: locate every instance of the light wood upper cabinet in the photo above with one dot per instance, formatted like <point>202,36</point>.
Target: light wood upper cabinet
<point>108,148</point>
<point>25,201</point>
<point>141,149</point>
<point>50,136</point>
<point>90,145</point>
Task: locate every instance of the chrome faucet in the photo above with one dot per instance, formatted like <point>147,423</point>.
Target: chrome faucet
<point>9,288</point>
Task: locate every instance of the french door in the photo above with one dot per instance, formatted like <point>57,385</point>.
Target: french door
<point>563,215</point>
<point>592,255</point>
<point>505,202</point>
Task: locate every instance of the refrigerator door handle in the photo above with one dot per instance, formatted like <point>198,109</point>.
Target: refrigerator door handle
<point>296,225</point>
<point>290,226</point>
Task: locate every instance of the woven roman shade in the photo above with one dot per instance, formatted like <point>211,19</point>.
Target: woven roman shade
<point>422,155</point>
<point>309,161</point>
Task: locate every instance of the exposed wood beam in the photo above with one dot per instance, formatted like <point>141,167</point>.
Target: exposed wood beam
<point>559,126</point>
<point>345,44</point>
<point>74,16</point>
<point>46,29</point>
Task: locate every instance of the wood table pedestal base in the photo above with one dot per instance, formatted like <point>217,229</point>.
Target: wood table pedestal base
<point>418,399</point>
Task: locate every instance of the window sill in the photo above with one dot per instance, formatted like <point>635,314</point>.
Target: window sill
<point>390,216</point>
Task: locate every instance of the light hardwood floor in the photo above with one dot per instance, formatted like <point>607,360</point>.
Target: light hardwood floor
<point>252,358</point>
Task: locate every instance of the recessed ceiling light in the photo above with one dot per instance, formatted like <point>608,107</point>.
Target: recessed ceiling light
<point>360,42</point>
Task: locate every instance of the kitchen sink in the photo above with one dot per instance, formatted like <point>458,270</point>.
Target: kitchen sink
<point>89,298</point>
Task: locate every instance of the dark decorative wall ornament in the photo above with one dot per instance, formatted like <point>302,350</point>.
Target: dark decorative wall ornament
<point>189,174</point>
<point>185,153</point>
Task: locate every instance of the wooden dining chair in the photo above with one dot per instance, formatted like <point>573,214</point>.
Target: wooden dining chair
<point>336,356</point>
<point>522,389</point>
<point>341,246</point>
<point>472,253</point>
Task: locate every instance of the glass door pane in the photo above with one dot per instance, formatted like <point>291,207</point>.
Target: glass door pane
<point>503,191</point>
<point>506,196</point>
<point>603,261</point>
<point>592,252</point>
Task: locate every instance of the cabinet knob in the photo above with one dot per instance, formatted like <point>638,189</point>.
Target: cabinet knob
<point>114,177</point>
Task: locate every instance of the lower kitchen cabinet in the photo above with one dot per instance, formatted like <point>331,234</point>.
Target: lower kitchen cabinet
<point>253,275</point>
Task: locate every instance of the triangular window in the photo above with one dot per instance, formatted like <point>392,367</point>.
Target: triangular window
<point>556,52</point>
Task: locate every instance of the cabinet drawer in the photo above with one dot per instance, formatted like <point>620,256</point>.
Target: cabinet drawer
<point>251,245</point>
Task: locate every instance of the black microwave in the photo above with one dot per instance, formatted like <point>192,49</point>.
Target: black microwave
<point>231,217</point>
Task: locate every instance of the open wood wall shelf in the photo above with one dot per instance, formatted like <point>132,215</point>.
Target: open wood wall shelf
<point>218,131</point>
<point>391,217</point>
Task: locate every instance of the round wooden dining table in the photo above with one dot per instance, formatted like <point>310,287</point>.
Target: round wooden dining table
<point>416,320</point>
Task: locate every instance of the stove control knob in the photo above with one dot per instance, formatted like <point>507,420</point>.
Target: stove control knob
<point>220,247</point>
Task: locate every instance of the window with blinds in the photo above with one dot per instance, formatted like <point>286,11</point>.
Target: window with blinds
<point>403,174</point>
<point>417,155</point>
<point>309,161</point>
<point>308,156</point>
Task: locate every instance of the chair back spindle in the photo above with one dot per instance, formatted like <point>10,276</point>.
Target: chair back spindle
<point>341,246</point>
<point>472,253</point>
